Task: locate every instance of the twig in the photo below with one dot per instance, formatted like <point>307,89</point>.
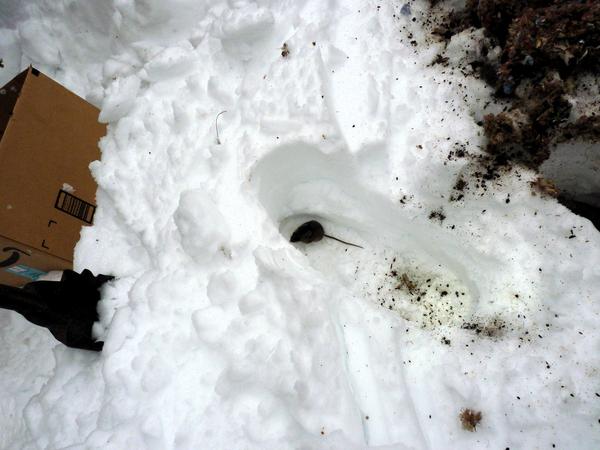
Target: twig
<point>217,126</point>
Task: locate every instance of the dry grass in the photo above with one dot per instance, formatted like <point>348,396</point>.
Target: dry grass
<point>470,419</point>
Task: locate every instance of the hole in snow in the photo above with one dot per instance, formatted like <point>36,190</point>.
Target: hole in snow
<point>405,266</point>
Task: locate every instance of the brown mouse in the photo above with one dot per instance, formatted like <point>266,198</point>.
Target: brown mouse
<point>313,231</point>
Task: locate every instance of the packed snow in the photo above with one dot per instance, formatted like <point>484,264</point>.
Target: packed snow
<point>220,333</point>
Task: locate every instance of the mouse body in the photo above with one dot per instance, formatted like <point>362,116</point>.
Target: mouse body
<point>312,231</point>
<point>308,232</point>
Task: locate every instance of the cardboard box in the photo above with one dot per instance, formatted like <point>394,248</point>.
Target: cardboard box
<point>48,138</point>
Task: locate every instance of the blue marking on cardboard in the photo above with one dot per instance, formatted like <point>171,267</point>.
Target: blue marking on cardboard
<point>25,271</point>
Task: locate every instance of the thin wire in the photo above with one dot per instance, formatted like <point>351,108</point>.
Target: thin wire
<point>217,127</point>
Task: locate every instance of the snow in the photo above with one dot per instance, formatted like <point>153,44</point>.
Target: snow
<point>68,188</point>
<point>218,332</point>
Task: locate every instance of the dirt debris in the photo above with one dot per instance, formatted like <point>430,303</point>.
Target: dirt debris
<point>535,54</point>
<point>544,46</point>
<point>437,215</point>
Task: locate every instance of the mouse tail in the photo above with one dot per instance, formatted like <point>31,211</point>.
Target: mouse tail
<point>343,242</point>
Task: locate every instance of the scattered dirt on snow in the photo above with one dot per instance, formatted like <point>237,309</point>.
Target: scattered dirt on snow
<point>538,57</point>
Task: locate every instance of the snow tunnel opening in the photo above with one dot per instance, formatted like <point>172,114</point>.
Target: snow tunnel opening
<point>298,183</point>
<point>405,265</point>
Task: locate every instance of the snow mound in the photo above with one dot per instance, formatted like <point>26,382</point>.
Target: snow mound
<point>219,333</point>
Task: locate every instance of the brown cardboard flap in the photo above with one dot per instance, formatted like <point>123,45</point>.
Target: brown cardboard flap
<point>47,192</point>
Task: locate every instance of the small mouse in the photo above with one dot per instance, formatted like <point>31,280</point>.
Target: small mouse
<point>313,231</point>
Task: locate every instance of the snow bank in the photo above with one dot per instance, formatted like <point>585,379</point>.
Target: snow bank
<point>221,334</point>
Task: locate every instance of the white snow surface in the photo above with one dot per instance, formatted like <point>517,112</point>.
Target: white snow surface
<point>218,332</point>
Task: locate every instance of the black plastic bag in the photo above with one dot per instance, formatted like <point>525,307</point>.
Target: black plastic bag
<point>66,307</point>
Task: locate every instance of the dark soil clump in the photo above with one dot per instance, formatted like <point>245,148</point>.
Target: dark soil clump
<point>534,53</point>
<point>525,132</point>
<point>545,45</point>
<point>586,128</point>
